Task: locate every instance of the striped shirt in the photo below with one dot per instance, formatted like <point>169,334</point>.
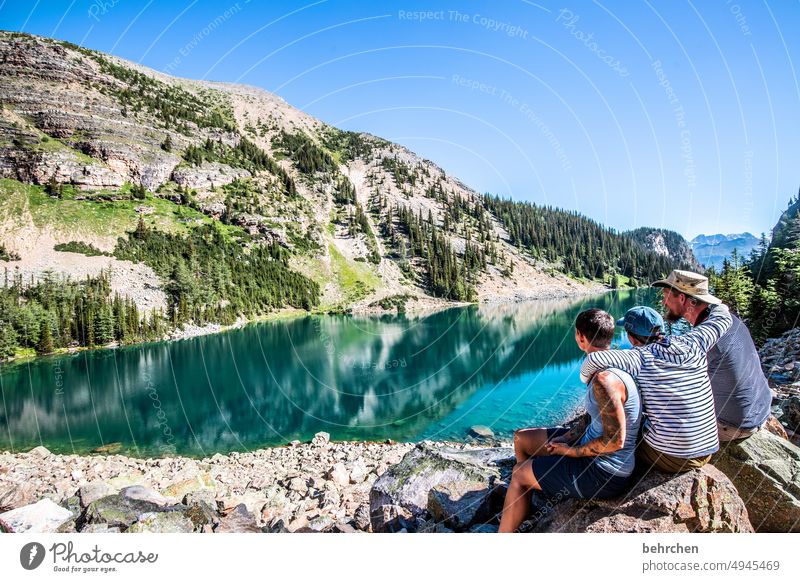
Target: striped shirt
<point>672,376</point>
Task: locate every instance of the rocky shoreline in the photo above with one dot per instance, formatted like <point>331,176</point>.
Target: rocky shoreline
<point>303,486</point>
<point>323,486</point>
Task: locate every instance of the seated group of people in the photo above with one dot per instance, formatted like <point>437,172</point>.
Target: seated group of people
<point>665,404</point>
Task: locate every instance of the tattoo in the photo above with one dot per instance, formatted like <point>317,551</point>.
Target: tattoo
<point>577,429</point>
<point>609,393</point>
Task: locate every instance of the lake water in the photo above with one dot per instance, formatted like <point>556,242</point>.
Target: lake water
<point>402,377</point>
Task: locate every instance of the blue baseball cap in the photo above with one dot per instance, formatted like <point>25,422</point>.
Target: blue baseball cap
<point>642,321</point>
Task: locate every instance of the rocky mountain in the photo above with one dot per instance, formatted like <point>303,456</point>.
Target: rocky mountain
<point>208,202</point>
<point>667,243</point>
<point>712,249</point>
<point>89,143</point>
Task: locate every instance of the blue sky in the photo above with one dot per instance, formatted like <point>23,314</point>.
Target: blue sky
<point>684,115</point>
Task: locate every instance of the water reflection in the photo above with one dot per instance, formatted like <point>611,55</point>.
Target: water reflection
<point>399,377</point>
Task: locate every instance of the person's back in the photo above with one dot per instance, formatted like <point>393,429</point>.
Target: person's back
<point>619,462</point>
<point>673,380</point>
<point>742,397</point>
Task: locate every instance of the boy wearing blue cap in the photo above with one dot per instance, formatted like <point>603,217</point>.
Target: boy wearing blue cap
<point>679,431</point>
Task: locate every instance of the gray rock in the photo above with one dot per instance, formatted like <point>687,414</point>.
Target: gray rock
<point>41,452</point>
<point>791,412</point>
<point>358,471</point>
<point>299,485</point>
<point>329,499</point>
<point>99,528</point>
<point>321,439</point>
<point>14,495</point>
<point>201,515</point>
<point>120,511</point>
<point>701,500</point>
<point>140,493</point>
<point>338,474</point>
<point>238,521</point>
<point>460,503</point>
<point>361,517</point>
<point>207,176</point>
<point>162,522</point>
<point>44,516</point>
<point>321,523</point>
<point>766,470</point>
<point>207,496</point>
<point>403,490</point>
<point>93,491</point>
<point>481,432</point>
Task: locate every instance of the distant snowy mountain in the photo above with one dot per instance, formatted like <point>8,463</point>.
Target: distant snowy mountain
<point>712,249</point>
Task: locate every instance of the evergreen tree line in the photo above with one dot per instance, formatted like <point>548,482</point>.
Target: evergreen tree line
<point>446,275</point>
<point>245,154</point>
<point>307,156</point>
<point>350,145</point>
<point>214,279</point>
<point>765,290</point>
<point>582,246</point>
<point>57,313</point>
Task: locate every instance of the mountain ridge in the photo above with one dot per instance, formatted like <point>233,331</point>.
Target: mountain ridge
<point>122,163</point>
<point>712,250</point>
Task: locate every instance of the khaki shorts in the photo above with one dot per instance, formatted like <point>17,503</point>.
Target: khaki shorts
<point>728,432</point>
<point>667,463</point>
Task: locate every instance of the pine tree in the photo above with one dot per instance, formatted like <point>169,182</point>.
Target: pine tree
<point>45,345</point>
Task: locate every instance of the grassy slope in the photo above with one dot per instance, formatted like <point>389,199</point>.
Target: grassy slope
<point>90,217</point>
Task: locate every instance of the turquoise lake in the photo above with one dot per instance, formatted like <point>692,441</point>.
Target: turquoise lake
<point>401,377</point>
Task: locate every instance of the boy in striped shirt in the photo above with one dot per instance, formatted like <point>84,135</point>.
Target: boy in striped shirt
<point>680,428</point>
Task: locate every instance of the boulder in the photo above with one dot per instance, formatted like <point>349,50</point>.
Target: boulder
<point>140,493</point>
<point>321,523</point>
<point>179,490</point>
<point>162,522</point>
<point>358,471</point>
<point>361,517</point>
<point>201,515</point>
<point>774,426</point>
<point>338,474</point>
<point>121,511</point>
<point>458,484</point>
<point>791,412</point>
<point>321,439</point>
<point>277,504</point>
<point>238,521</point>
<point>14,495</point>
<point>44,516</point>
<point>94,491</point>
<point>41,452</point>
<point>481,432</point>
<point>766,470</point>
<point>100,528</point>
<point>701,500</point>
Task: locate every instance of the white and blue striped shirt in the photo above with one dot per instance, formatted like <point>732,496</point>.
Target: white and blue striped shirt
<point>672,376</point>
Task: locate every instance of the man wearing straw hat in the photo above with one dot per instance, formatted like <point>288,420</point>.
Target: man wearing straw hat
<point>742,397</point>
<point>679,431</point>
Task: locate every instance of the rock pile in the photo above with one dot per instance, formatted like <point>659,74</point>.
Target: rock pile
<point>780,360</point>
<point>317,486</point>
<point>438,489</point>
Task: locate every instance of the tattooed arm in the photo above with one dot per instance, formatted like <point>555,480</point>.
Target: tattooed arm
<point>609,392</point>
<point>575,431</point>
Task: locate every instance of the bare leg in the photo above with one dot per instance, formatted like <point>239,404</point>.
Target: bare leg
<point>529,442</point>
<point>517,505</point>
